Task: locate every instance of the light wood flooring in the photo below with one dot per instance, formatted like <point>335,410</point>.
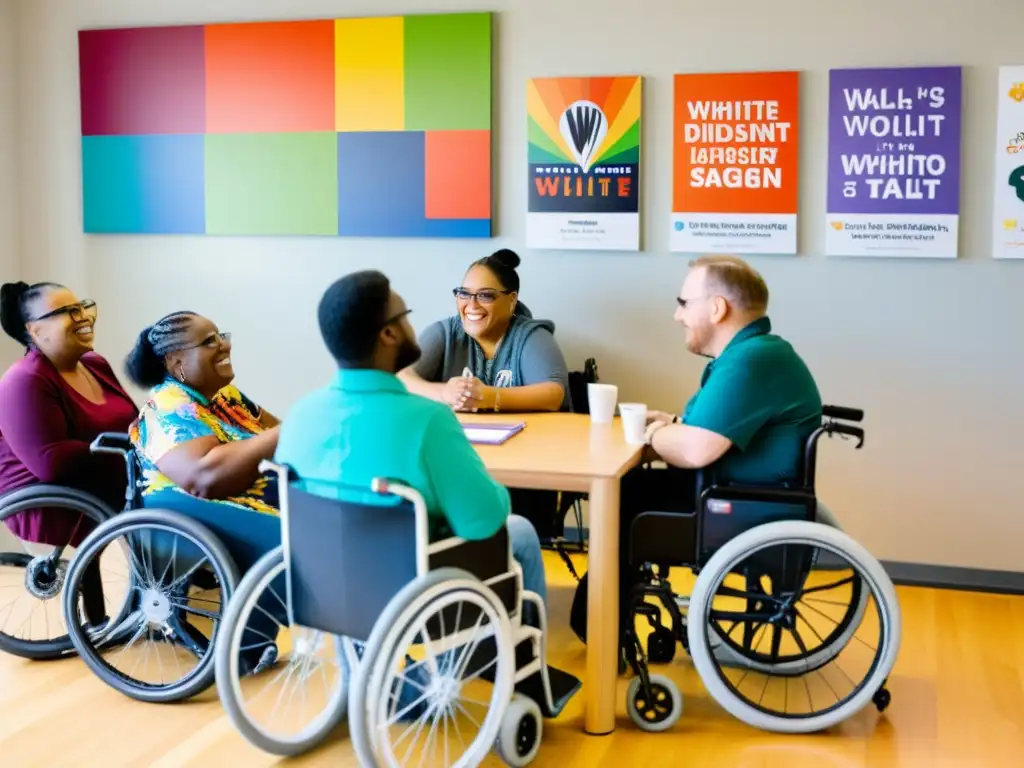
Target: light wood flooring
<point>958,700</point>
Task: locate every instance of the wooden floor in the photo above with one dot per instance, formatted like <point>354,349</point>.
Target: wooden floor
<point>958,700</point>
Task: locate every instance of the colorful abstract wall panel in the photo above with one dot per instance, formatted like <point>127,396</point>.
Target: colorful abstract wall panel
<point>584,163</point>
<point>353,127</point>
<point>735,158</point>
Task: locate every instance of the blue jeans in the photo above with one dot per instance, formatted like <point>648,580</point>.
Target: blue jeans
<point>526,552</point>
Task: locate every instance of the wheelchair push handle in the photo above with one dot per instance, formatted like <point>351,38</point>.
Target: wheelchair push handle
<point>842,413</point>
<point>111,442</point>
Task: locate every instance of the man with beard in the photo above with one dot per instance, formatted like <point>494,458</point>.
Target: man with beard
<point>366,425</point>
<point>747,423</point>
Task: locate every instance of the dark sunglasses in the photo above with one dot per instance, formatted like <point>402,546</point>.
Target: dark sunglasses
<point>85,309</point>
<point>486,296</point>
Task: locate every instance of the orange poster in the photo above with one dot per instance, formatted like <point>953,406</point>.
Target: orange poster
<point>735,161</point>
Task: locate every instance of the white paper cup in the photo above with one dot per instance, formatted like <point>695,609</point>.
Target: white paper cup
<point>634,422</point>
<point>602,399</point>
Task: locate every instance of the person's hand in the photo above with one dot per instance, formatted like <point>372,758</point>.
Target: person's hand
<point>463,393</point>
<point>653,416</point>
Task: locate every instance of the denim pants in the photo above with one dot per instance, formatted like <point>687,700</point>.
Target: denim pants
<point>526,551</point>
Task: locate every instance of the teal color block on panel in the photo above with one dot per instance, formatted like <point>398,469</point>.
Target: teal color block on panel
<point>272,184</point>
<point>448,72</point>
<point>143,184</point>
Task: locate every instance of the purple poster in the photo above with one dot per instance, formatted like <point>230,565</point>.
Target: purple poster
<point>894,162</point>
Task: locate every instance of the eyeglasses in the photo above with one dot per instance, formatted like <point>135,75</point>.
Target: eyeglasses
<point>396,318</point>
<point>486,296</point>
<point>212,341</point>
<point>83,310</point>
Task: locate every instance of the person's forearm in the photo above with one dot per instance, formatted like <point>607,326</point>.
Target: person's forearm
<point>420,386</point>
<point>231,469</point>
<point>673,445</point>
<point>547,396</point>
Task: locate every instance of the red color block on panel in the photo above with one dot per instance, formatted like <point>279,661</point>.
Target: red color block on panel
<point>458,175</point>
<point>270,77</point>
<point>142,81</point>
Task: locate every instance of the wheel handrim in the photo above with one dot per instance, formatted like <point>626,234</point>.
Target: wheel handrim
<point>305,665</point>
<point>440,680</point>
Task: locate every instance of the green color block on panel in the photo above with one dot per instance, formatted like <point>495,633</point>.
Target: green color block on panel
<point>448,72</point>
<point>272,184</point>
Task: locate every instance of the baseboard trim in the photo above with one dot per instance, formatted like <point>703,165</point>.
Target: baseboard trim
<point>925,575</point>
<point>955,577</point>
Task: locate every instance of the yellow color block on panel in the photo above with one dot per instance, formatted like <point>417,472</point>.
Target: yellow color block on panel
<point>369,56</point>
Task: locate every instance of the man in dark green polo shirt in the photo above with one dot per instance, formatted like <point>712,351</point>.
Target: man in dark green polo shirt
<point>748,422</point>
<point>757,403</point>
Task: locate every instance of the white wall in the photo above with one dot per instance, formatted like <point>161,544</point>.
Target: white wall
<point>931,350</point>
<point>8,159</point>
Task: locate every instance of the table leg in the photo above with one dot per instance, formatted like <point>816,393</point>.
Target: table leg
<point>602,608</point>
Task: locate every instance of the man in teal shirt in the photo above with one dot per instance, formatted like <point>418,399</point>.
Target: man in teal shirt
<point>366,425</point>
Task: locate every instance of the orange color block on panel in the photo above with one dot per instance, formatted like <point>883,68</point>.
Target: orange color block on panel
<point>458,175</point>
<point>270,77</point>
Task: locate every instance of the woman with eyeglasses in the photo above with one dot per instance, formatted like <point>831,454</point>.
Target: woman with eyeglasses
<point>53,403</point>
<point>491,355</point>
<point>200,442</point>
<point>197,434</point>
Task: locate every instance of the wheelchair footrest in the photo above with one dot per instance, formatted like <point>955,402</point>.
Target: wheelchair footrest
<point>563,685</point>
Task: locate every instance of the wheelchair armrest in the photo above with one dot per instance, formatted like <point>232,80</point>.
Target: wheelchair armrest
<point>111,442</point>
<point>846,429</point>
<point>764,493</point>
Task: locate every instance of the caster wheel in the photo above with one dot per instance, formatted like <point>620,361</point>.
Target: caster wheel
<point>881,699</point>
<point>519,736</point>
<point>661,646</point>
<point>659,714</point>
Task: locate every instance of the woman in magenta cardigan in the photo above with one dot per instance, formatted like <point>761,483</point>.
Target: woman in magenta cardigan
<point>53,403</point>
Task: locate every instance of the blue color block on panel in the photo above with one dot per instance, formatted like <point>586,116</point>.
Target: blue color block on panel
<point>381,183</point>
<point>144,184</point>
<point>382,189</point>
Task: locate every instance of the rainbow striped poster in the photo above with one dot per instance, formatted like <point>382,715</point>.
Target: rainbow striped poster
<point>584,163</point>
<point>353,127</point>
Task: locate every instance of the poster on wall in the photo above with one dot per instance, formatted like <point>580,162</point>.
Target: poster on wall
<point>735,159</point>
<point>1008,211</point>
<point>894,162</point>
<point>364,127</point>
<point>583,161</point>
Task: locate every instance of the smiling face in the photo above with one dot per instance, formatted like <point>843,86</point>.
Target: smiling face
<point>61,325</point>
<point>697,312</point>
<point>484,306</point>
<point>205,362</point>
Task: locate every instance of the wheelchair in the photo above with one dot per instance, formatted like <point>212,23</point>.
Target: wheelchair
<point>408,638</point>
<point>68,515</point>
<point>767,642</point>
<point>179,572</point>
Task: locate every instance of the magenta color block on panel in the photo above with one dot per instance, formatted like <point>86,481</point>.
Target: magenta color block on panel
<point>143,81</point>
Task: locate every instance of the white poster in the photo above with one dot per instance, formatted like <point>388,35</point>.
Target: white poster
<point>1008,210</point>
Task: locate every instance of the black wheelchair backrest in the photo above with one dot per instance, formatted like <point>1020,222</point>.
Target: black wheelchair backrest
<point>345,561</point>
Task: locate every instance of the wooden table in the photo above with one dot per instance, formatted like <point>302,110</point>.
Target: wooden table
<point>565,452</point>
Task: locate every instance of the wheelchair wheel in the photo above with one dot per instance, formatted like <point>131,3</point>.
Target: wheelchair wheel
<point>32,579</point>
<point>310,680</point>
<point>420,675</point>
<point>161,649</point>
<point>791,615</point>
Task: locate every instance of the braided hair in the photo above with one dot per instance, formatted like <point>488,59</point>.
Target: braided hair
<point>145,363</point>
<point>15,299</point>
